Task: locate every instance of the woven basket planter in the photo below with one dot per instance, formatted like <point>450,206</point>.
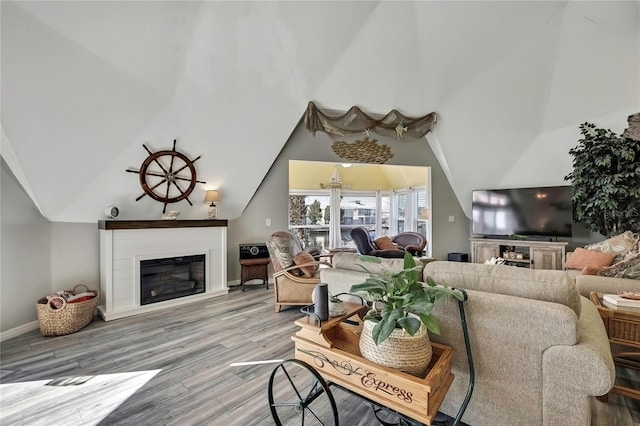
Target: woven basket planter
<point>67,319</point>
<point>410,354</point>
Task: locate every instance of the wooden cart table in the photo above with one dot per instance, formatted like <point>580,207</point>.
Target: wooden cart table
<point>327,354</point>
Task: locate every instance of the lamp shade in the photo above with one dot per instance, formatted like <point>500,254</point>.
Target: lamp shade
<point>211,196</point>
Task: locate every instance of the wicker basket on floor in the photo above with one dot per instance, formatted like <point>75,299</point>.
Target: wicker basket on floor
<point>67,319</point>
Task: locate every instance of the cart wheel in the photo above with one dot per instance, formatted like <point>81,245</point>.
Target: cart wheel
<point>299,395</point>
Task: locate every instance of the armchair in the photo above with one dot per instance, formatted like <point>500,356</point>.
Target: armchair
<point>412,242</point>
<point>295,271</point>
<point>360,236</point>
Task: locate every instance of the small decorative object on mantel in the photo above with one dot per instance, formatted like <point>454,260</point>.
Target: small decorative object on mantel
<point>168,167</point>
<point>171,215</point>
<point>112,211</point>
<point>363,151</point>
<point>355,121</point>
<point>212,196</point>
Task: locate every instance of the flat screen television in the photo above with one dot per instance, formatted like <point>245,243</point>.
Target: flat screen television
<point>542,211</point>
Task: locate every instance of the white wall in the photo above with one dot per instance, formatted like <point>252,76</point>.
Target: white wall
<point>25,254</point>
<point>38,256</point>
<point>75,252</point>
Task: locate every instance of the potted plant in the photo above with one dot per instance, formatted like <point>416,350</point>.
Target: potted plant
<point>336,307</point>
<point>395,328</point>
<point>605,181</point>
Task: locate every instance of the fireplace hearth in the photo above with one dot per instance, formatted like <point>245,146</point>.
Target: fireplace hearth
<point>171,278</point>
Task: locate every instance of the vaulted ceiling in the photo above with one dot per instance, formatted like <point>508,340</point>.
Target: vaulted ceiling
<point>85,84</point>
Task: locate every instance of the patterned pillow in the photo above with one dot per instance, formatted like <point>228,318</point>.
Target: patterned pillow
<point>629,268</point>
<point>281,246</point>
<point>617,246</point>
<point>582,258</point>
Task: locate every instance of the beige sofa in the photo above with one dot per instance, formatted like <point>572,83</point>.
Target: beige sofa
<point>588,283</point>
<point>540,349</point>
<point>346,271</point>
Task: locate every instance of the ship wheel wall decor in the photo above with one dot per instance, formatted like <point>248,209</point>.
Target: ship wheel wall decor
<point>167,176</point>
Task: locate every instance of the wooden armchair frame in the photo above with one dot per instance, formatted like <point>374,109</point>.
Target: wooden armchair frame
<point>292,289</point>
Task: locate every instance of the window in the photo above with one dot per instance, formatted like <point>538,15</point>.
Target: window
<point>411,208</point>
<point>360,209</point>
<point>309,217</point>
<point>320,190</point>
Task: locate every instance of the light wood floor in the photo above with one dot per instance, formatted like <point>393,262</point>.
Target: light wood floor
<point>193,348</point>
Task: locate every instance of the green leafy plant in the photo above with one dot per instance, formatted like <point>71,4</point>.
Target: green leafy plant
<point>605,181</point>
<point>400,300</point>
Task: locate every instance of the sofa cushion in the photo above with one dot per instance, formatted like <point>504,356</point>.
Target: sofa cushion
<point>588,283</point>
<point>581,258</point>
<point>539,284</point>
<point>353,262</point>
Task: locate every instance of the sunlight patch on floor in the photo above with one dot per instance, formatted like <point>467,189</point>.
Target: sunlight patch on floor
<point>79,400</point>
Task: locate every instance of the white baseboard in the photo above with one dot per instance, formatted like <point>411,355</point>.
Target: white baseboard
<point>108,316</point>
<point>25,328</point>
<point>15,332</point>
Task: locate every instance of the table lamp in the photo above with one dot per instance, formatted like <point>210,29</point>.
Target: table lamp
<point>212,197</point>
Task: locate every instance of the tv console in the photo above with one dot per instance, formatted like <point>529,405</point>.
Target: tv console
<point>514,238</point>
<point>523,253</point>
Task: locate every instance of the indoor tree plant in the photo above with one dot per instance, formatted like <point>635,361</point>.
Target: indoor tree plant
<point>605,181</point>
<point>400,315</point>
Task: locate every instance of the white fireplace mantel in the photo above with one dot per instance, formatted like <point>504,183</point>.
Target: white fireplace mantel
<point>124,243</point>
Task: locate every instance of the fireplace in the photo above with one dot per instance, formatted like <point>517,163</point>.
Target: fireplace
<point>127,245</point>
<point>171,278</point>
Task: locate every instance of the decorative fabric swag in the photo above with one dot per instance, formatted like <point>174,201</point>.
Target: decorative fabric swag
<point>355,121</point>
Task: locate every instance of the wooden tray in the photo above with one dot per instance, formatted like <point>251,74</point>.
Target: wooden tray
<point>332,349</point>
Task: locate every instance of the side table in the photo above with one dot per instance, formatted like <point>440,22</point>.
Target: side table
<point>623,328</point>
<point>252,269</point>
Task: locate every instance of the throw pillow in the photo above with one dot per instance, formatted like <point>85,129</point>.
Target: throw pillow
<point>591,270</point>
<point>281,247</point>
<point>302,258</point>
<point>626,269</point>
<point>617,245</point>
<point>582,257</point>
<point>385,243</point>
